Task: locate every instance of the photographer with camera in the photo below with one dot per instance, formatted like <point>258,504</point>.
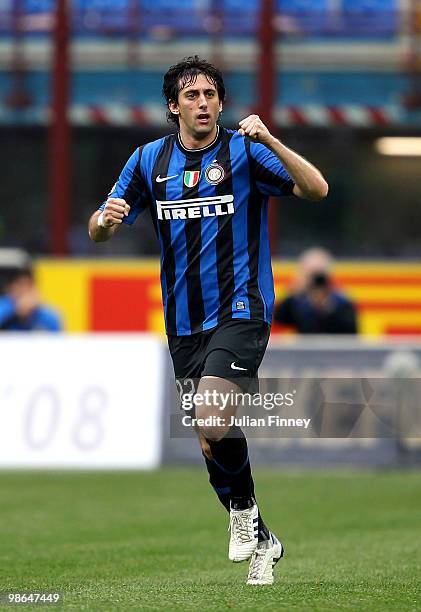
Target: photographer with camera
<point>314,306</point>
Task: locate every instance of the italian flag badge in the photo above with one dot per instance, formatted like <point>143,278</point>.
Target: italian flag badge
<point>191,178</point>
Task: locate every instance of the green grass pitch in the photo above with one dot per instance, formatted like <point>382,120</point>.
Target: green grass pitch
<point>159,541</point>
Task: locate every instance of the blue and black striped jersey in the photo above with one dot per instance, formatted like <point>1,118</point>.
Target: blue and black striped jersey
<point>209,207</point>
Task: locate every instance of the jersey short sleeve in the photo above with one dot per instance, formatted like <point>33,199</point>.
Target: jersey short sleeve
<point>131,187</point>
<point>270,175</point>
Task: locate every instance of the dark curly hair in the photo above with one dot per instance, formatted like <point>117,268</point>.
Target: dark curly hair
<point>184,74</point>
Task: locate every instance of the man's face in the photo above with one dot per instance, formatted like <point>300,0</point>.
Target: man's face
<point>198,107</point>
<point>19,286</point>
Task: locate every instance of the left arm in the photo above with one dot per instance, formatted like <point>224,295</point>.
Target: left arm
<point>309,181</point>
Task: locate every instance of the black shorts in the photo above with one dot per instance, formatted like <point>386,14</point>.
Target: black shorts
<point>233,350</point>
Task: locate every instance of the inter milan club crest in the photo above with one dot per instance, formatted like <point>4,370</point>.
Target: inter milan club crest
<point>191,178</point>
<point>214,173</point>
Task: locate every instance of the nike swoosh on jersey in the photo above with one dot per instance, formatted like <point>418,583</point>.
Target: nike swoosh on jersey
<point>234,367</point>
<point>161,179</point>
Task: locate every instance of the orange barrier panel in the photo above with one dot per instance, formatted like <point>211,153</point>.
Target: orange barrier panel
<point>125,295</point>
<point>106,295</point>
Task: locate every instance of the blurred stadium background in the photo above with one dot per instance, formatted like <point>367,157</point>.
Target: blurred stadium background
<point>81,88</point>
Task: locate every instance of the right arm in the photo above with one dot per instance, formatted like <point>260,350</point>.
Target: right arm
<point>125,201</point>
<point>104,224</point>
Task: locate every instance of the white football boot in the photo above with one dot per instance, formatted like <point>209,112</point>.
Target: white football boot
<point>244,530</point>
<point>264,559</point>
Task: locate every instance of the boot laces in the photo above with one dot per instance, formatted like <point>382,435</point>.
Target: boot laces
<point>256,565</point>
<point>241,527</point>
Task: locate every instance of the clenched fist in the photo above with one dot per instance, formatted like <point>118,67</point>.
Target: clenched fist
<point>114,212</point>
<point>253,127</point>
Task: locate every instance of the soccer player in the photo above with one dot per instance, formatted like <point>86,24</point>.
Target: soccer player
<point>207,188</point>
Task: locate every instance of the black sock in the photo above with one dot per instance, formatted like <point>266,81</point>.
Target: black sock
<point>221,485</point>
<point>263,533</point>
<point>219,482</point>
<point>222,481</point>
<point>231,456</point>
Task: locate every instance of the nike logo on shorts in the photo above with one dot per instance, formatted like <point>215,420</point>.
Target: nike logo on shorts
<point>161,179</point>
<point>234,367</point>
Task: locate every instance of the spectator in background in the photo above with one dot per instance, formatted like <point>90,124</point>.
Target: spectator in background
<point>20,307</point>
<point>314,306</point>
